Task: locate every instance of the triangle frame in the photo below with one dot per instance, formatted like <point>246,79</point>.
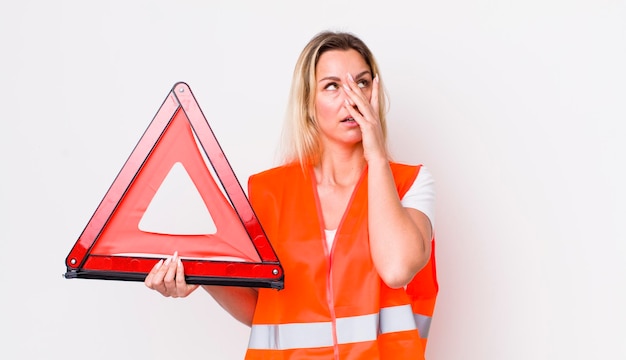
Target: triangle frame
<point>94,254</point>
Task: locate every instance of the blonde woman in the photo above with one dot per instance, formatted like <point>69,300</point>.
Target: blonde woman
<point>353,229</point>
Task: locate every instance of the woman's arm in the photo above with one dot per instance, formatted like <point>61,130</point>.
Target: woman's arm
<point>240,302</point>
<point>400,237</point>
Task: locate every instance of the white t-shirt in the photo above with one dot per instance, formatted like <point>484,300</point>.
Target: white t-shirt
<point>420,196</point>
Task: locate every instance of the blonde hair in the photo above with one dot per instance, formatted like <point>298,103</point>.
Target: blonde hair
<point>300,137</point>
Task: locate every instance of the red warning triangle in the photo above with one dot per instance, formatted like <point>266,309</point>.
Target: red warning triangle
<point>123,240</point>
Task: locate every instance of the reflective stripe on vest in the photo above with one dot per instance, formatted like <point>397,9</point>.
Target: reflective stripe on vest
<point>349,330</point>
<point>401,322</point>
<point>423,324</point>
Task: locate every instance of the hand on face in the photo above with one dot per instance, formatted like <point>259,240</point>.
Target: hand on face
<point>365,113</point>
<point>168,278</point>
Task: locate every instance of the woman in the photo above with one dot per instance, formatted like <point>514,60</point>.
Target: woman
<point>352,229</point>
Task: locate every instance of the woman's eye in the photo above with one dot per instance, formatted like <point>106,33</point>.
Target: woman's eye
<point>331,86</point>
<point>362,84</point>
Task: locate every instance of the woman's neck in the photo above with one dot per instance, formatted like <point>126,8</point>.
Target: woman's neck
<point>342,168</point>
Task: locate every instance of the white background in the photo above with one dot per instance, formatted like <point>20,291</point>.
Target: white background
<point>517,107</point>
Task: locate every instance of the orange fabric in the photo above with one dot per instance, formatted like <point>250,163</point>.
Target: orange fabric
<point>322,285</point>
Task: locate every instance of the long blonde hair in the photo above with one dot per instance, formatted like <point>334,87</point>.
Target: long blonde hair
<point>300,137</point>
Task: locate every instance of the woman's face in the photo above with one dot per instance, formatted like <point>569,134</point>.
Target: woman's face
<point>334,121</point>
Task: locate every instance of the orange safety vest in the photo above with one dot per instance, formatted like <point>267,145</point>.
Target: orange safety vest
<point>334,304</point>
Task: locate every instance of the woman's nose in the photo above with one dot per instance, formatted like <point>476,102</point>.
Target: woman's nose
<point>344,94</point>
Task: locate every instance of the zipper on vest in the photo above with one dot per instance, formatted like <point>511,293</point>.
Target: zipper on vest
<point>329,293</point>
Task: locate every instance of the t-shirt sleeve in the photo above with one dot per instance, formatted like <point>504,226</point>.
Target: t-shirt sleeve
<point>421,195</point>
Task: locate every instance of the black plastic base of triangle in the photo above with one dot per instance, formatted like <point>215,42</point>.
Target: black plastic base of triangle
<point>199,280</point>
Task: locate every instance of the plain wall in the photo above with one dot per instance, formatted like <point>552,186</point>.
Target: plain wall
<point>517,107</point>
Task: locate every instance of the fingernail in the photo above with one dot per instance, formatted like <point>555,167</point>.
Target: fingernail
<point>346,87</point>
<point>350,77</point>
<point>167,261</point>
<point>158,265</point>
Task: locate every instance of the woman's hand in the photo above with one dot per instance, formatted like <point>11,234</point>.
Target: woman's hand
<point>168,278</point>
<point>364,108</point>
